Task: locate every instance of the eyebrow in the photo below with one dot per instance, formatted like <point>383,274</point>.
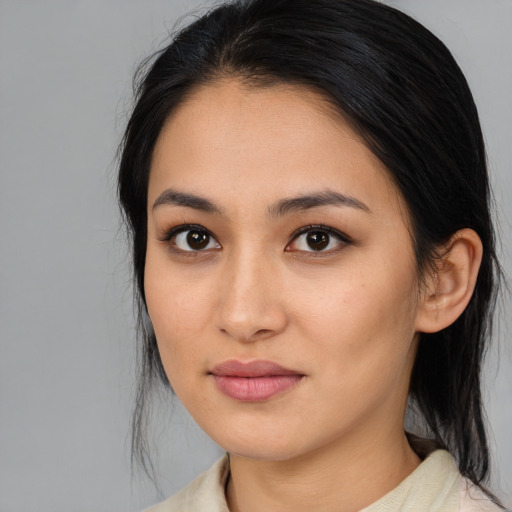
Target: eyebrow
<point>174,198</point>
<point>285,206</point>
<point>309,201</point>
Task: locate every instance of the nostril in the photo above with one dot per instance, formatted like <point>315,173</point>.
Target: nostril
<point>262,332</point>
<point>254,336</point>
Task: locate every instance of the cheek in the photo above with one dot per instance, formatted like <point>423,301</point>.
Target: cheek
<point>362,318</point>
<point>363,348</point>
<point>178,313</point>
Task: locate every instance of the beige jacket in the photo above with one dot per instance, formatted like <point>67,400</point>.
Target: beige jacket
<point>435,486</point>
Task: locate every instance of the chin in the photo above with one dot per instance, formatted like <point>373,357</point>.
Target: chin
<point>262,447</point>
<point>266,453</point>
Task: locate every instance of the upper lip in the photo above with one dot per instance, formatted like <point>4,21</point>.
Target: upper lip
<point>260,368</point>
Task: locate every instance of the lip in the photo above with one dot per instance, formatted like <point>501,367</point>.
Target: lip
<point>254,381</point>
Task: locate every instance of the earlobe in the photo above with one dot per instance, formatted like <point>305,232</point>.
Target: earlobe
<point>450,288</point>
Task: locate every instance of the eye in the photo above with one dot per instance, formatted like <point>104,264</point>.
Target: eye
<point>191,239</point>
<point>317,239</point>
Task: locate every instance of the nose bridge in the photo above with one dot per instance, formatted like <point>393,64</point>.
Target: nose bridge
<point>249,307</point>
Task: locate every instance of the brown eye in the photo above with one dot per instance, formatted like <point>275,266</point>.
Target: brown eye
<point>193,240</point>
<point>317,240</point>
<point>197,240</point>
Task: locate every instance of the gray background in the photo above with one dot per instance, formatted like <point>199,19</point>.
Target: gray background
<point>66,340</point>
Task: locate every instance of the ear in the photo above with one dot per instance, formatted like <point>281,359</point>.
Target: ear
<point>450,288</point>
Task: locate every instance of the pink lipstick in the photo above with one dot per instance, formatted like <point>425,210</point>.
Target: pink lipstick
<point>255,381</point>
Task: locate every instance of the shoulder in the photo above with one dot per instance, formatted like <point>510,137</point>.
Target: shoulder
<point>473,499</point>
<point>204,494</point>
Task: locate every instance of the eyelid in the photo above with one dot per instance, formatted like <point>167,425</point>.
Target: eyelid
<point>176,230</point>
<point>339,235</point>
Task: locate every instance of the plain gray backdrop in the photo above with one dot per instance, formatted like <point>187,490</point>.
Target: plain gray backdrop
<point>66,331</point>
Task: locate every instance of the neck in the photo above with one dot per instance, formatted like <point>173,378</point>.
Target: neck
<point>333,478</point>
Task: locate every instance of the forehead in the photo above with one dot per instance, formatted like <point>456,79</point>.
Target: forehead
<point>283,139</point>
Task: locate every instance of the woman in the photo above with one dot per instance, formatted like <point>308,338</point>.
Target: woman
<point>306,188</point>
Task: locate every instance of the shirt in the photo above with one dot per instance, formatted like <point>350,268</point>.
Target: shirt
<point>434,486</point>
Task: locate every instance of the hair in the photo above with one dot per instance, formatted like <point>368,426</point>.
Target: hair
<point>402,91</point>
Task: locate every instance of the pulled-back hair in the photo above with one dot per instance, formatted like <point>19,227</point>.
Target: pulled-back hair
<point>401,90</point>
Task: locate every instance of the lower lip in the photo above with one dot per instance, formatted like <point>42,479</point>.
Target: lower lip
<point>255,389</point>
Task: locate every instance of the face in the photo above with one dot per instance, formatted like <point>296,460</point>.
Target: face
<point>280,276</point>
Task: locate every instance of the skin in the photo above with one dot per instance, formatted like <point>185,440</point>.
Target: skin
<point>346,318</point>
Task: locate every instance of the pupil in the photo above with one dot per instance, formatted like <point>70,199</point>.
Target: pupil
<point>197,240</point>
<point>317,240</point>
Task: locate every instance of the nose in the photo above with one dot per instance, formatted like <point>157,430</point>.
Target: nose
<point>250,306</point>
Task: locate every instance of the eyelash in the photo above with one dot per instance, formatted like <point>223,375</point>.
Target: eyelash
<point>169,238</point>
<point>171,234</point>
<point>331,232</point>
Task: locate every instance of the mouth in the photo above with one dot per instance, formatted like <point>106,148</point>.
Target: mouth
<point>255,381</point>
